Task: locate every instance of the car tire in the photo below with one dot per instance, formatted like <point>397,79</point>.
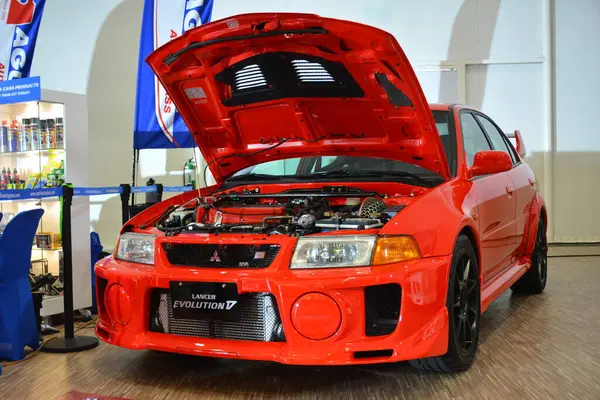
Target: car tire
<point>464,305</point>
<point>534,280</point>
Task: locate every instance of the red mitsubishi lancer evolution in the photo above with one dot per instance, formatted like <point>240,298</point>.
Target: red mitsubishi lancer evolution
<point>351,221</point>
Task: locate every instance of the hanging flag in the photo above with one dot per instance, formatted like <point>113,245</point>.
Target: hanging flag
<point>157,123</point>
<point>19,24</point>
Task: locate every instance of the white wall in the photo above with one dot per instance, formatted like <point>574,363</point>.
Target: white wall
<point>484,41</point>
<point>66,42</point>
<point>577,141</point>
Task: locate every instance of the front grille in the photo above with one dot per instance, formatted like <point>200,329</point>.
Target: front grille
<point>259,320</point>
<point>382,309</point>
<point>221,256</point>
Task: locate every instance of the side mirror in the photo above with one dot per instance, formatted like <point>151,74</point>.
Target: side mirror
<point>491,162</point>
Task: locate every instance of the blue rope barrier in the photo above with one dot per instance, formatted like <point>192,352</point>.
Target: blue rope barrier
<point>96,191</point>
<point>25,194</point>
<point>144,189</point>
<point>177,188</point>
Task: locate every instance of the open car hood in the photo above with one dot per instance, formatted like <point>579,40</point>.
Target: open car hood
<point>261,87</point>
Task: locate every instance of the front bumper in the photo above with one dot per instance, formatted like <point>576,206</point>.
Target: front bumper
<point>422,328</point>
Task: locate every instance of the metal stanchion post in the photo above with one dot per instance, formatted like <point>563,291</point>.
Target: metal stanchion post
<point>125,195</point>
<point>69,343</point>
<point>159,192</point>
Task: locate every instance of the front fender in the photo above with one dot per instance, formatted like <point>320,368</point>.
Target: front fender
<point>436,219</point>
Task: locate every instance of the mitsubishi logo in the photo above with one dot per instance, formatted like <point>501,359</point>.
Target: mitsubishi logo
<point>215,257</point>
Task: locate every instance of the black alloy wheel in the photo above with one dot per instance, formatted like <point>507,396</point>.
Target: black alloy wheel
<point>534,280</point>
<point>464,305</point>
<point>465,308</point>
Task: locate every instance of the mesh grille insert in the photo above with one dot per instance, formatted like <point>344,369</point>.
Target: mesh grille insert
<point>382,309</point>
<point>259,321</point>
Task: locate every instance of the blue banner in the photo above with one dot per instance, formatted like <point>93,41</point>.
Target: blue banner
<point>24,194</point>
<point>19,25</point>
<point>20,91</point>
<point>158,125</point>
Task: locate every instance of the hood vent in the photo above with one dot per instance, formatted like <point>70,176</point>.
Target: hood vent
<point>249,77</point>
<point>311,72</point>
<point>282,75</point>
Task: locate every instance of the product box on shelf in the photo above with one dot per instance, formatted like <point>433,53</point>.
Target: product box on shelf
<point>43,240</point>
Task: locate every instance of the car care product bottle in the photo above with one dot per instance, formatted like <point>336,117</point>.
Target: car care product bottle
<point>61,173</point>
<point>11,179</point>
<point>50,134</point>
<point>15,175</point>
<point>3,183</point>
<point>4,137</point>
<point>43,138</point>
<point>12,138</point>
<point>60,133</point>
<point>36,141</point>
<point>189,173</point>
<point>25,139</point>
<point>20,142</point>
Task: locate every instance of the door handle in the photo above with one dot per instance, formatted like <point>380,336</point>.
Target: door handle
<point>510,190</point>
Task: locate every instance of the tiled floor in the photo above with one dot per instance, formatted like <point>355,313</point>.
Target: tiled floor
<point>541,347</point>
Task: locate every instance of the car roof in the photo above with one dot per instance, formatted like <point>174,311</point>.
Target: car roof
<point>446,107</point>
<point>439,106</point>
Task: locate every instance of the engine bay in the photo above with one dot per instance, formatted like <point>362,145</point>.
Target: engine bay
<point>294,212</point>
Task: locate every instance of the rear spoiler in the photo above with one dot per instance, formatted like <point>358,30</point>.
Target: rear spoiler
<point>519,143</point>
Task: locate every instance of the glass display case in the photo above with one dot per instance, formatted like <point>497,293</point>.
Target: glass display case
<point>39,129</point>
<point>33,156</point>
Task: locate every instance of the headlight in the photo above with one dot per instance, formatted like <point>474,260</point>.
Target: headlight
<point>352,251</point>
<point>333,252</point>
<point>136,247</point>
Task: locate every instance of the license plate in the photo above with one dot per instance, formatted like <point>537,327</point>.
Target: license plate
<point>205,300</point>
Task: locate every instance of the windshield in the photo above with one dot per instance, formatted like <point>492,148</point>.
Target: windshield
<point>344,166</point>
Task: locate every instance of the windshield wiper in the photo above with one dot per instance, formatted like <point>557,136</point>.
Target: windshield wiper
<point>253,177</point>
<point>401,174</point>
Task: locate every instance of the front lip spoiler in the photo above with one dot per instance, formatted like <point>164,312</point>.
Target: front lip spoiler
<point>171,58</point>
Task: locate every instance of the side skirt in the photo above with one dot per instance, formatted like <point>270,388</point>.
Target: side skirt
<point>491,290</point>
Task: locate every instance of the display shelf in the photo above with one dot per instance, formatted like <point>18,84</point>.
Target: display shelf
<point>31,153</point>
<point>51,158</point>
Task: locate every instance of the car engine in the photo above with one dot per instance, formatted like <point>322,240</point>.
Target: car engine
<point>295,212</point>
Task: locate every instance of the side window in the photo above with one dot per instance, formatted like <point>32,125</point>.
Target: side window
<point>496,137</point>
<point>474,139</point>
